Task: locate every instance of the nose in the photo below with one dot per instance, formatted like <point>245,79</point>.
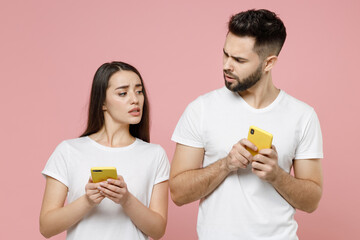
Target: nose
<point>227,65</point>
<point>134,98</point>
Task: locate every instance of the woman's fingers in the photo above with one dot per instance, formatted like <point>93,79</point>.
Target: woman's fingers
<point>114,189</point>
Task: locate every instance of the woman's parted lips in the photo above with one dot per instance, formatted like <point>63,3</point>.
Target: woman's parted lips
<point>137,109</point>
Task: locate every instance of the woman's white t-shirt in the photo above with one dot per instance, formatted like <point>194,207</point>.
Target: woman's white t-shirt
<point>141,164</point>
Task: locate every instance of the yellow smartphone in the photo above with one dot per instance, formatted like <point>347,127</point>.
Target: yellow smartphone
<point>99,174</point>
<point>261,138</point>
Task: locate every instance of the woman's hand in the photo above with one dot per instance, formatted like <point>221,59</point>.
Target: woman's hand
<point>93,194</point>
<point>115,189</point>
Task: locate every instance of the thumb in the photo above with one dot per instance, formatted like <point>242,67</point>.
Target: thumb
<point>90,180</point>
<point>273,148</point>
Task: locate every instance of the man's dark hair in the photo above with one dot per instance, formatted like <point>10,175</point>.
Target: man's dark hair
<point>267,29</point>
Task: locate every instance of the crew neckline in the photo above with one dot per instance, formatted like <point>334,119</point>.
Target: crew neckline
<point>112,149</point>
<point>259,110</point>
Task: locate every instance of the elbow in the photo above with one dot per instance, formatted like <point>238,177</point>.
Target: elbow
<point>175,196</point>
<point>160,231</point>
<point>312,204</point>
<point>44,230</point>
<point>158,235</point>
<point>176,199</point>
<point>312,200</point>
<point>45,233</point>
<point>311,208</point>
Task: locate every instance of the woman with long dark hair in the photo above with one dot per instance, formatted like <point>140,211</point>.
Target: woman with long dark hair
<point>133,206</point>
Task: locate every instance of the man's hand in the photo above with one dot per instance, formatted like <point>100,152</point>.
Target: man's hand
<point>239,156</point>
<point>265,164</point>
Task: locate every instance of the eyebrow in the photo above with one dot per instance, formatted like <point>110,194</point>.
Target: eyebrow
<point>127,86</point>
<point>236,58</point>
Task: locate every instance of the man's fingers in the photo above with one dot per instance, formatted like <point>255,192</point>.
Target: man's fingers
<point>270,153</point>
<point>241,149</point>
<point>238,157</point>
<point>246,143</point>
<point>258,166</point>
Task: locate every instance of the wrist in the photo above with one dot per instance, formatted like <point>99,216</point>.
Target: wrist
<point>88,203</point>
<point>279,177</point>
<point>224,166</point>
<point>126,200</point>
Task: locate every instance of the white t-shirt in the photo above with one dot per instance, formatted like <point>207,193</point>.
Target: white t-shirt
<point>141,164</point>
<point>243,206</point>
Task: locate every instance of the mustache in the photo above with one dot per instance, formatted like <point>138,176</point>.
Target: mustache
<point>230,74</point>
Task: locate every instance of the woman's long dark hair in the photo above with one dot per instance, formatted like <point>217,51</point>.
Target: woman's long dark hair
<point>98,96</point>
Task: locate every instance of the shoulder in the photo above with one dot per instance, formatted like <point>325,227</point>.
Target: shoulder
<point>215,95</point>
<point>77,141</point>
<point>153,152</point>
<point>149,147</point>
<point>210,98</point>
<point>296,105</point>
<point>72,143</point>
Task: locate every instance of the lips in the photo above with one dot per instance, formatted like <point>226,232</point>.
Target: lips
<point>227,76</point>
<point>135,111</point>
<point>229,79</point>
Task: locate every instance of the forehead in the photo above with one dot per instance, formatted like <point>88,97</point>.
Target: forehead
<point>239,46</point>
<point>122,77</point>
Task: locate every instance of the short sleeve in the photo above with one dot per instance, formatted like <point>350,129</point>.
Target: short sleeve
<point>163,168</point>
<point>311,144</point>
<point>189,128</point>
<point>56,166</point>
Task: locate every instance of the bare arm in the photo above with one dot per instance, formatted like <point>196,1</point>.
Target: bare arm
<point>150,220</point>
<point>303,190</point>
<point>190,182</point>
<point>54,217</point>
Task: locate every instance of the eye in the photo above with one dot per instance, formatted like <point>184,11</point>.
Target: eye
<point>122,94</point>
<point>239,60</point>
<point>139,92</point>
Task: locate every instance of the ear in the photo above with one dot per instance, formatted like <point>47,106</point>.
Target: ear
<point>270,63</point>
<point>104,107</point>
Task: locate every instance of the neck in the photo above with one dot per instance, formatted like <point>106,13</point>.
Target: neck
<point>113,134</point>
<point>262,94</point>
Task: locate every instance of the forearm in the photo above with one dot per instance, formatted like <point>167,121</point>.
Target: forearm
<point>58,220</point>
<point>195,184</point>
<point>300,193</point>
<point>148,221</point>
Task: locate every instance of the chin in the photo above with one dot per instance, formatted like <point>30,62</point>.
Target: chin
<point>231,86</point>
<point>134,121</point>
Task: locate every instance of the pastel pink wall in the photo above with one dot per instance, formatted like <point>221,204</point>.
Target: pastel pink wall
<point>51,49</point>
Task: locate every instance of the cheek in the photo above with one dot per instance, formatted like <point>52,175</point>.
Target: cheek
<point>141,100</point>
<point>245,70</point>
<point>115,105</point>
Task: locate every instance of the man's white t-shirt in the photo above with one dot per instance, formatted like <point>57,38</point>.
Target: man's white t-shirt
<point>141,164</point>
<point>243,206</point>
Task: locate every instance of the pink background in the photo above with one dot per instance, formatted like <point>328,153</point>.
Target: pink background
<point>51,49</point>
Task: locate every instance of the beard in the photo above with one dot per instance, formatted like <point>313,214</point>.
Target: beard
<point>244,84</point>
